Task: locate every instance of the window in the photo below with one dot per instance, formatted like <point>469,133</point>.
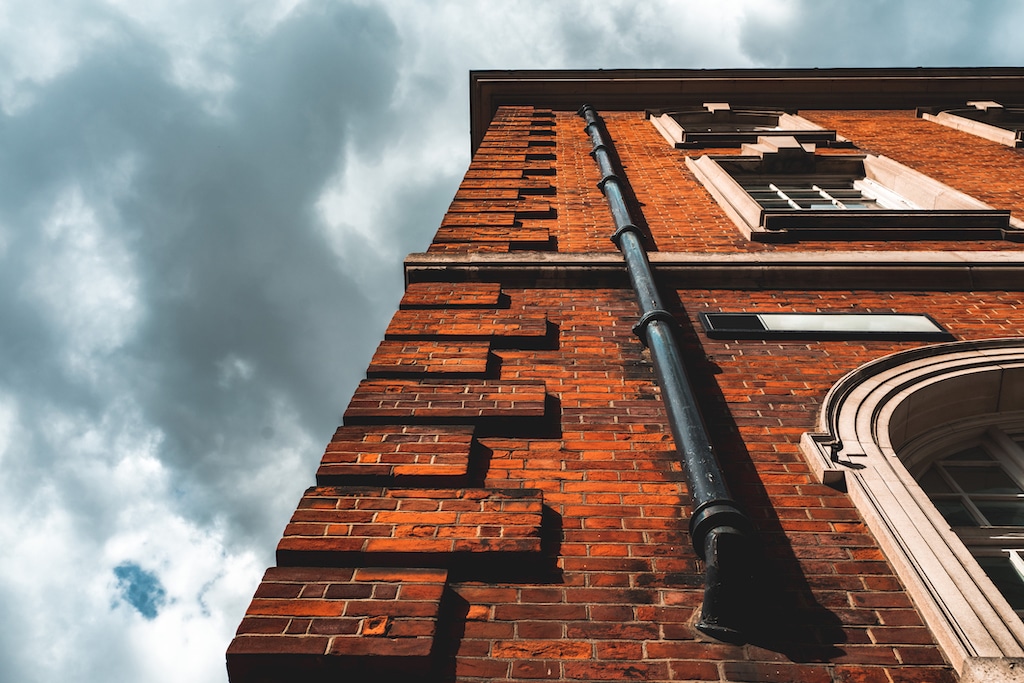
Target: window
<point>978,487</point>
<point>922,441</point>
<point>718,125</point>
<point>877,326</point>
<point>821,193</point>
<point>779,189</point>
<point>989,120</point>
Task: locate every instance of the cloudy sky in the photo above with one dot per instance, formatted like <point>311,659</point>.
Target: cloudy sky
<point>203,211</point>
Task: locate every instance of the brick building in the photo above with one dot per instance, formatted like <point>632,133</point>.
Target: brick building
<point>815,289</point>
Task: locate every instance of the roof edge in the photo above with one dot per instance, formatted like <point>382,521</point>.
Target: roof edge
<point>638,89</point>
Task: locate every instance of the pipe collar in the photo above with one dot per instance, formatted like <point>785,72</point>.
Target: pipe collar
<point>640,328</point>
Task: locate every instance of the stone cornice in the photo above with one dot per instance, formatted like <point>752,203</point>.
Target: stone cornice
<point>899,270</point>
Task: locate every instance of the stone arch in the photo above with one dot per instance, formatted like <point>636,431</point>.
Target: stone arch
<point>866,419</point>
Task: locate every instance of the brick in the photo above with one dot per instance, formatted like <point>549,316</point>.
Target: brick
<point>860,674</point>
<point>416,530</point>
<point>453,295</point>
<point>350,633</point>
<point>504,329</point>
<point>616,671</point>
<point>770,672</point>
<point>416,454</point>
<point>490,404</point>
<point>431,359</point>
<point>276,645</point>
<point>542,649</point>
<point>543,669</point>
<point>693,671</point>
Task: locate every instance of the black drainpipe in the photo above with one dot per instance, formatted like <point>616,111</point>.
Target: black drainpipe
<point>720,532</point>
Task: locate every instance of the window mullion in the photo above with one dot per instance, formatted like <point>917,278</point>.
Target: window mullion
<point>1008,452</point>
<point>965,498</point>
<point>782,195</point>
<point>835,202</point>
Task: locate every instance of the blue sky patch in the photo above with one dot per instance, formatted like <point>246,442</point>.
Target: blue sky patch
<point>140,589</point>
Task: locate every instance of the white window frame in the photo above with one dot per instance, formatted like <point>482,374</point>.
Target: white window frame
<point>1005,136</point>
<point>787,124</point>
<point>940,212</point>
<point>821,325</point>
<point>983,540</point>
<point>920,398</point>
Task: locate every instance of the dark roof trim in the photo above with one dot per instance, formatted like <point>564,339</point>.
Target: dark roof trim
<point>636,90</point>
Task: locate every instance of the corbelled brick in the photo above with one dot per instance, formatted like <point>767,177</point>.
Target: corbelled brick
<point>475,528</point>
<point>516,206</point>
<point>320,622</point>
<point>497,207</point>
<point>510,404</point>
<point>360,454</point>
<point>504,328</point>
<point>453,295</point>
<point>431,358</point>
<point>539,238</point>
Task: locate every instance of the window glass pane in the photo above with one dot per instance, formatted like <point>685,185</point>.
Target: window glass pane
<point>955,512</point>
<point>980,479</point>
<point>933,482</point>
<point>853,322</point>
<point>823,325</point>
<point>813,194</point>
<point>1002,513</point>
<point>1006,579</point>
<point>735,321</point>
<point>972,453</point>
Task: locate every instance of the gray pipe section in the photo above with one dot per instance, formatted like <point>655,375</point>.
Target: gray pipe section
<point>720,532</point>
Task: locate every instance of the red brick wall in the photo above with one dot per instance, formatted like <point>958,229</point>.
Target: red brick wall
<point>983,169</point>
<point>682,216</point>
<point>504,501</point>
<point>611,593</point>
<point>521,196</point>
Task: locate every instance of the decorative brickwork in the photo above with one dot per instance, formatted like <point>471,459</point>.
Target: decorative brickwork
<point>430,358</point>
<point>428,402</point>
<point>507,329</point>
<point>311,624</point>
<point>364,455</point>
<point>450,295</point>
<point>338,526</point>
<point>505,501</point>
<point>503,203</point>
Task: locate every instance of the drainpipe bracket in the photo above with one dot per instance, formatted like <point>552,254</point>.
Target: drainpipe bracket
<point>607,179</point>
<point>660,314</point>
<point>616,237</point>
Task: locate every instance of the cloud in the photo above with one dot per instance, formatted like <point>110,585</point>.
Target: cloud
<point>203,211</point>
<point>177,328</point>
<point>84,282</point>
<point>48,44</point>
<point>805,33</point>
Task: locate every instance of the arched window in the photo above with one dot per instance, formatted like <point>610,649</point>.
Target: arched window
<point>976,482</point>
<point>926,443</point>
